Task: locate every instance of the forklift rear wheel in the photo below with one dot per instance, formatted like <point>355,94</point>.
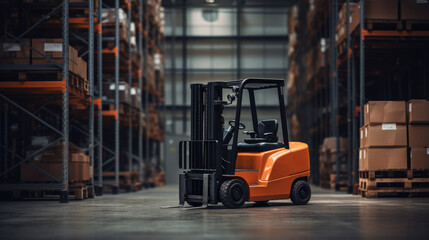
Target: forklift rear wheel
<point>301,192</point>
<point>233,193</point>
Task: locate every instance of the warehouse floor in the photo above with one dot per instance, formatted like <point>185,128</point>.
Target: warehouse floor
<point>138,216</point>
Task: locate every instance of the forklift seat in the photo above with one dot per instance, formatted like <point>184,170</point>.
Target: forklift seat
<point>258,147</point>
<point>266,132</point>
<point>265,139</point>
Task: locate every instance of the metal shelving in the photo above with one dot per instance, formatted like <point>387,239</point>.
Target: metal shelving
<point>91,103</point>
<point>337,98</point>
<point>40,89</point>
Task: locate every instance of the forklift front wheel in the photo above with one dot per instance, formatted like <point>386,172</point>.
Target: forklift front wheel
<point>233,193</point>
<point>301,192</point>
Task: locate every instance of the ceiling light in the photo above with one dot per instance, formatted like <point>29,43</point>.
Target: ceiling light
<point>210,1</point>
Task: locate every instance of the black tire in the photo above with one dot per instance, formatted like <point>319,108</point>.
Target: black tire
<point>300,193</point>
<point>233,193</point>
<point>194,204</point>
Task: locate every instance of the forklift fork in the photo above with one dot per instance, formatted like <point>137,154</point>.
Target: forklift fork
<point>182,193</point>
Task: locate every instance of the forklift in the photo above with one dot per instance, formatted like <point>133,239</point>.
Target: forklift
<point>259,169</point>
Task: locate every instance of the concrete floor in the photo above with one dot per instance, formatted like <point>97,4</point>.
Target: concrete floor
<point>138,215</point>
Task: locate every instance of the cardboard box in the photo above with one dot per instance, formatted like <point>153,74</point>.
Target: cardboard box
<point>135,97</point>
<point>418,110</point>
<point>361,160</point>
<point>418,135</point>
<point>414,10</point>
<point>109,91</point>
<point>330,143</point>
<point>342,14</point>
<point>381,9</point>
<point>384,112</point>
<point>386,135</point>
<point>384,159</point>
<point>419,158</point>
<point>14,53</point>
<point>81,68</point>
<point>322,54</point>
<point>51,162</point>
<point>78,171</point>
<point>362,136</point>
<point>53,48</point>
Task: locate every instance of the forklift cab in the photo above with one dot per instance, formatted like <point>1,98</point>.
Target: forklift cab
<point>264,134</point>
<point>219,167</point>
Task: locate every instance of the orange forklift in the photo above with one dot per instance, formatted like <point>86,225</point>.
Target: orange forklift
<point>258,169</point>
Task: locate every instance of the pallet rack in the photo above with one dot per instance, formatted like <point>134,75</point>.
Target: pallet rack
<point>143,147</point>
<point>336,96</point>
<point>45,88</point>
<point>87,113</point>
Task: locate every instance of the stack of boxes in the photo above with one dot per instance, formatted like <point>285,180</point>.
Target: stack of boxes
<point>327,163</point>
<point>354,20</point>
<point>53,48</point>
<point>110,88</point>
<point>394,153</point>
<point>50,161</point>
<point>384,137</point>
<point>135,97</point>
<point>418,134</point>
<point>108,16</point>
<point>17,53</point>
<point>14,52</point>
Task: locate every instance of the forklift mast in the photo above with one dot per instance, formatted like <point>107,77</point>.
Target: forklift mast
<point>207,125</point>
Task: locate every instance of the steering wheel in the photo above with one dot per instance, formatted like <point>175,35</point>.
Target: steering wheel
<point>240,125</point>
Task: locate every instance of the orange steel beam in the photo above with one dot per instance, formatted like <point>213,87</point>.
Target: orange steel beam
<point>111,113</point>
<point>76,22</point>
<point>45,88</point>
<point>112,51</point>
<point>392,33</point>
<point>58,85</point>
<point>97,103</point>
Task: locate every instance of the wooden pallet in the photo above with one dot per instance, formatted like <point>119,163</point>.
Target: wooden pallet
<point>77,191</point>
<point>393,183</point>
<point>416,25</point>
<point>128,180</point>
<point>342,186</point>
<point>383,25</point>
<point>398,173</point>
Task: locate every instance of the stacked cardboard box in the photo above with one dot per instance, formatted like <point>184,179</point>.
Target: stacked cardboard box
<point>51,162</point>
<point>151,74</point>
<point>293,24</point>
<point>19,53</point>
<point>354,21</point>
<point>53,48</point>
<point>108,16</point>
<point>135,97</point>
<point>415,10</point>
<point>384,137</point>
<point>327,161</point>
<point>14,52</point>
<point>317,14</point>
<point>109,92</point>
<point>133,40</point>
<point>381,10</point>
<point>418,134</point>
